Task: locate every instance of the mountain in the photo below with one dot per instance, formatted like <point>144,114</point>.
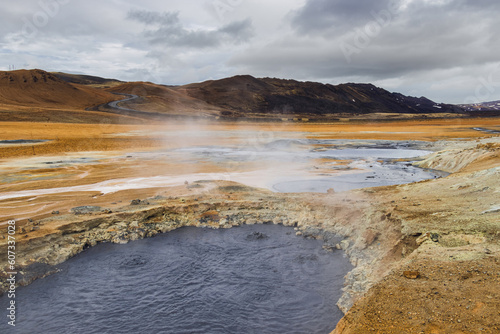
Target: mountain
<point>482,107</point>
<point>244,96</point>
<point>241,96</point>
<point>40,89</point>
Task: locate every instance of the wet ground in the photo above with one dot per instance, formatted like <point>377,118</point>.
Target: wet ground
<point>278,164</point>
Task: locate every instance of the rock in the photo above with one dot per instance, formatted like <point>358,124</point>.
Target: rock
<point>55,212</point>
<point>210,215</point>
<point>344,244</point>
<point>139,202</point>
<point>82,210</point>
<point>330,191</point>
<point>298,233</point>
<point>370,236</point>
<point>119,240</point>
<point>435,237</point>
<point>411,274</point>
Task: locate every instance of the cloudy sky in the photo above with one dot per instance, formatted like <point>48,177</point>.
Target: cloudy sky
<point>447,50</point>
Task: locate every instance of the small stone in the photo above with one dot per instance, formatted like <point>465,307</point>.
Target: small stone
<point>55,212</point>
<point>344,244</point>
<point>298,233</point>
<point>411,274</point>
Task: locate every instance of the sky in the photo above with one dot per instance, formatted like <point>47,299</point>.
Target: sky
<point>446,50</point>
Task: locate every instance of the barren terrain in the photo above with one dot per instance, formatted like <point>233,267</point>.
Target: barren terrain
<point>446,230</point>
<point>426,254</point>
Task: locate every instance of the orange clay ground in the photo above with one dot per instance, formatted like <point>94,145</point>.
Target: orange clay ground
<point>105,141</point>
<point>67,137</point>
<point>455,293</point>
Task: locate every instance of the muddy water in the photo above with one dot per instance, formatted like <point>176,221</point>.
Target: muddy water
<point>252,279</point>
<point>279,162</point>
<point>310,165</point>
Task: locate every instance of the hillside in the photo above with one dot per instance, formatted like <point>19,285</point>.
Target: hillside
<point>243,94</point>
<point>164,100</point>
<point>89,80</point>
<point>482,107</point>
<point>236,97</point>
<point>247,97</point>
<point>40,89</point>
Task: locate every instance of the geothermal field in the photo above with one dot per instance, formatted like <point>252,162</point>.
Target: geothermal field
<point>170,211</point>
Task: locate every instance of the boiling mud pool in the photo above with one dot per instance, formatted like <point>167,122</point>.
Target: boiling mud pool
<point>251,279</point>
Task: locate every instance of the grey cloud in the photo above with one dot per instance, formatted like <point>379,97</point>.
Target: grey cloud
<point>335,14</point>
<point>238,31</point>
<point>423,37</point>
<point>148,17</point>
<point>484,4</point>
<point>171,33</point>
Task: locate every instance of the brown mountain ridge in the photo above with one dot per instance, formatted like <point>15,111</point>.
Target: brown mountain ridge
<point>241,96</point>
<point>245,93</point>
<point>244,96</point>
